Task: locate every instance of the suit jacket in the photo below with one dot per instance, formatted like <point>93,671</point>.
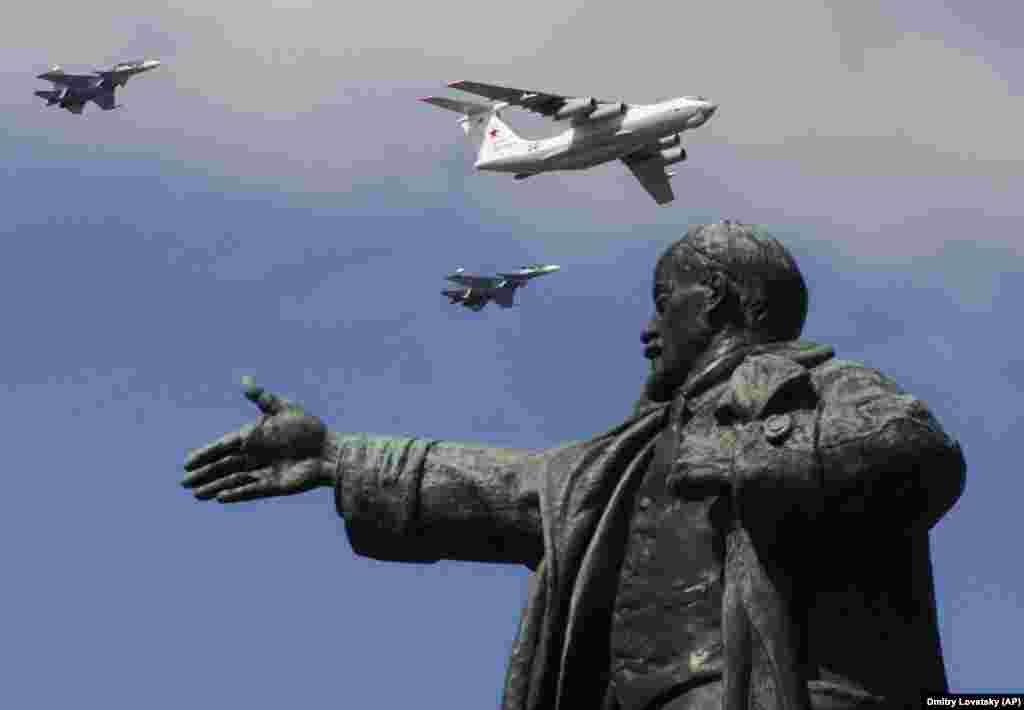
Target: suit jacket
<point>854,472</point>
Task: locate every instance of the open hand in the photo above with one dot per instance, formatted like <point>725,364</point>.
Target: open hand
<point>281,453</point>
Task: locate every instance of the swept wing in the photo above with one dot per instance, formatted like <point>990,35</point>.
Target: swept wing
<point>468,108</point>
<point>651,174</point>
<point>537,101</point>
<point>74,81</point>
<point>474,281</point>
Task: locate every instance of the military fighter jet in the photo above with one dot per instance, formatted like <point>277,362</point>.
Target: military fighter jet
<point>501,288</point>
<point>73,91</point>
<point>645,137</point>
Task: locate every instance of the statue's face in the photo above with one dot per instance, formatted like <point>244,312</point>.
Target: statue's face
<point>679,332</point>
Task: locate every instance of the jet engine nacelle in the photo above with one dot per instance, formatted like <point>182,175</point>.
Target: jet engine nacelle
<point>575,108</point>
<point>669,141</point>
<point>607,111</point>
<point>673,155</point>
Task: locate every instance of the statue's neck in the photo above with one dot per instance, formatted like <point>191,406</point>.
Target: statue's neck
<point>723,354</point>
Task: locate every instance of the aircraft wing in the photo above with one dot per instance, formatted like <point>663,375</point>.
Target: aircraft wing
<point>536,101</point>
<point>652,175</point>
<point>105,100</point>
<point>474,281</point>
<point>74,81</point>
<point>467,108</point>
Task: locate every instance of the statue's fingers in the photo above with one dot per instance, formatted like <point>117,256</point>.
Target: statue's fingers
<point>270,404</point>
<point>262,488</point>
<point>224,446</point>
<point>235,480</point>
<point>217,470</point>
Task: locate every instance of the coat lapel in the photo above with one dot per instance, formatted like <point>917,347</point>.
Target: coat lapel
<point>589,620</point>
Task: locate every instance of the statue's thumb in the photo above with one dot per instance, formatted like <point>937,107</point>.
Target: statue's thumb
<point>252,392</point>
<point>268,403</point>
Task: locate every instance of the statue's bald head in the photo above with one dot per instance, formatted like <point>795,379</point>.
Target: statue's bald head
<point>765,284</point>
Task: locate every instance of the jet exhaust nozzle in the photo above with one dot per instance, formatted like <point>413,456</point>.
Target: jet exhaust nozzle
<point>673,155</point>
<point>52,97</point>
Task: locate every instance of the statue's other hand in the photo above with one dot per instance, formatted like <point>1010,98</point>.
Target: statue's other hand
<point>281,453</point>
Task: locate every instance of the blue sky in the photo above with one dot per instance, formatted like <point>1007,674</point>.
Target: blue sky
<point>274,202</point>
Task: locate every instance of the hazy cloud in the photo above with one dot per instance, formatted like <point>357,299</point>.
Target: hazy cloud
<point>322,93</point>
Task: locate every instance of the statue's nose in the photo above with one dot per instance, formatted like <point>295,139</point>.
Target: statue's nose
<point>648,335</point>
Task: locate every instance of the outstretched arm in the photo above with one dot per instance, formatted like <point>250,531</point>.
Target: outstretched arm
<point>424,500</point>
<point>401,498</point>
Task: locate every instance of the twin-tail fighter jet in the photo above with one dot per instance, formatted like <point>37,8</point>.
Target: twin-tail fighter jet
<point>501,288</point>
<point>74,91</point>
<point>645,137</point>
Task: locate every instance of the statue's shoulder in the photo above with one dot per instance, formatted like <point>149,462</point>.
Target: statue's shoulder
<point>774,379</point>
<point>862,423</point>
<point>859,401</point>
<point>851,398</point>
<point>850,380</point>
<point>833,379</point>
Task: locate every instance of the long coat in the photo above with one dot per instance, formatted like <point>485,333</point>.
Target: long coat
<point>877,472</point>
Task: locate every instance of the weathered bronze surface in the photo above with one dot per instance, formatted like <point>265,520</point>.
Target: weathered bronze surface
<point>754,536</point>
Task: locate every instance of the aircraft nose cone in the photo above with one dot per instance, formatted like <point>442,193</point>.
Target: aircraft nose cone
<point>710,109</point>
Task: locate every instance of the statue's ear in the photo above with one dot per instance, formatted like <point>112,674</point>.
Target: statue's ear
<point>718,286</point>
<point>757,312</point>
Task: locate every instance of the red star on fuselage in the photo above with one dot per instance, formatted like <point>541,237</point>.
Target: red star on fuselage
<point>493,132</point>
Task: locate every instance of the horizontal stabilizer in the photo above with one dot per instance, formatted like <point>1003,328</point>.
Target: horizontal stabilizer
<point>467,108</point>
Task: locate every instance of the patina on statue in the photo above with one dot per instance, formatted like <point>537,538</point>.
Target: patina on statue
<point>754,536</point>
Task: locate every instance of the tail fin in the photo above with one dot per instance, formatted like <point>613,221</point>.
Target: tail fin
<point>481,122</point>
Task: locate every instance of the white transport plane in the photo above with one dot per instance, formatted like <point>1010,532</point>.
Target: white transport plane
<point>645,137</point>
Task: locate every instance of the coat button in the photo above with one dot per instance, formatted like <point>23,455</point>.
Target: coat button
<point>645,503</point>
<point>777,427</point>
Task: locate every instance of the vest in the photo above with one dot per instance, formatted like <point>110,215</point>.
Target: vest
<point>666,621</point>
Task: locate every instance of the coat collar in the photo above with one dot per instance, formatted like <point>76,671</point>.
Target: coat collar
<point>757,377</point>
